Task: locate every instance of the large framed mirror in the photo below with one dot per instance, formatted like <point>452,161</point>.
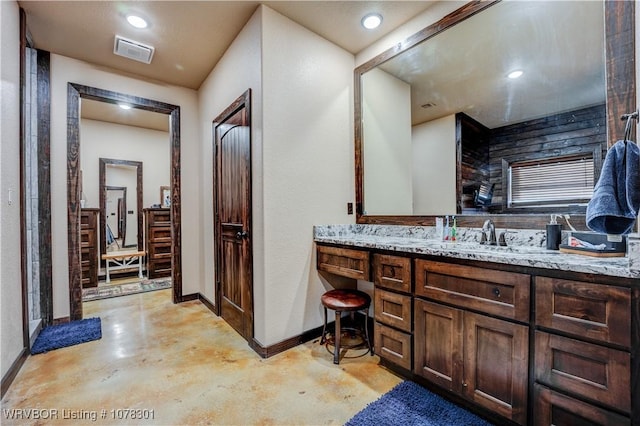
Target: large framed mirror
<point>441,129</point>
<point>120,185</point>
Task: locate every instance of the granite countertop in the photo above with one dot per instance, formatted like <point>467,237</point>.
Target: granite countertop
<point>524,247</point>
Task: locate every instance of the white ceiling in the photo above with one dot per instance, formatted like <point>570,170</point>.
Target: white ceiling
<point>190,37</point>
<point>112,113</point>
<point>558,44</point>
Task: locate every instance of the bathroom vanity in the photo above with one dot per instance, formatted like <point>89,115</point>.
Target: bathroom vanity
<point>519,333</point>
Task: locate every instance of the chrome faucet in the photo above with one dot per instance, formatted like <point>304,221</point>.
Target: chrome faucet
<point>491,228</point>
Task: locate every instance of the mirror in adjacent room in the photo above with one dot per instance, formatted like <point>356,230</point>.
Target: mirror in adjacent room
<point>121,193</point>
<point>116,216</point>
<point>116,142</point>
<point>445,128</point>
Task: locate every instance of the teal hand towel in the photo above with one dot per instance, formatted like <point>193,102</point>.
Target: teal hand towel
<point>616,197</point>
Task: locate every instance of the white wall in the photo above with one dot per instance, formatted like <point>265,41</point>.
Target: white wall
<point>119,142</point>
<point>308,168</point>
<point>387,154</point>
<point>302,161</point>
<point>99,139</point>
<point>434,167</point>
<point>10,273</point>
<point>238,70</point>
<point>65,70</point>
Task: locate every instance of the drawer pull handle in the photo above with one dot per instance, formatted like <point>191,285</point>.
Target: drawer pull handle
<point>496,291</point>
<point>392,271</point>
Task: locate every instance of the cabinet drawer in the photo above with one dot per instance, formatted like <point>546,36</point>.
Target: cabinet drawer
<point>88,219</point>
<point>553,408</point>
<point>393,309</point>
<point>393,345</point>
<point>159,217</point>
<point>344,262</point>
<point>160,251</point>
<point>499,293</point>
<point>595,311</point>
<point>87,238</point>
<point>159,234</point>
<point>593,371</point>
<point>392,272</point>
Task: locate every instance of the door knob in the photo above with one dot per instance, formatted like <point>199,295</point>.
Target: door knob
<point>241,234</point>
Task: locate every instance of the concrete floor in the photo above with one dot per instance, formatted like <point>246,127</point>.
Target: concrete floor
<point>184,365</point>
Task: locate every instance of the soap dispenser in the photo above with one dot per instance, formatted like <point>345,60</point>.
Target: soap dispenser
<point>554,233</point>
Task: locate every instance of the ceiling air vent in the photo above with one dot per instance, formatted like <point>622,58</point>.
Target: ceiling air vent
<point>133,50</point>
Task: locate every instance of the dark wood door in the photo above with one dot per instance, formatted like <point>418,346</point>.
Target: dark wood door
<point>233,216</point>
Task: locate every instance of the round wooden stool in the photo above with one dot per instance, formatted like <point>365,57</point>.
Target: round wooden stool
<point>341,301</point>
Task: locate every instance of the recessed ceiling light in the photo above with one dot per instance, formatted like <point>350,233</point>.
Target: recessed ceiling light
<point>515,74</point>
<point>137,21</point>
<point>124,106</point>
<point>371,21</point>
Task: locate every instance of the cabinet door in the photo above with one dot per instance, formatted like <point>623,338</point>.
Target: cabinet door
<point>438,344</point>
<point>495,365</point>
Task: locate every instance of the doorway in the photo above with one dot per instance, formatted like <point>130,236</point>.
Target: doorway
<point>74,93</point>
<point>232,215</point>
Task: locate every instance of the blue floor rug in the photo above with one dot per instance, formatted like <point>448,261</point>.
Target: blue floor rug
<point>410,404</point>
<point>67,334</point>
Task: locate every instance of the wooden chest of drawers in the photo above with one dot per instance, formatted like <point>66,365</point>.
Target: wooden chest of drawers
<point>158,242</point>
<point>89,246</point>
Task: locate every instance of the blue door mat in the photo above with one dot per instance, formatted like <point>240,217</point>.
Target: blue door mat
<point>67,334</point>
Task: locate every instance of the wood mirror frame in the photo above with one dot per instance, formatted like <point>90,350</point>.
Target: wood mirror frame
<point>103,163</point>
<point>74,93</point>
<point>621,99</point>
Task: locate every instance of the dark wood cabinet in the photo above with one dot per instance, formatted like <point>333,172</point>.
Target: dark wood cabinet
<point>554,408</point>
<point>481,358</point>
<point>519,342</point>
<point>582,351</point>
<point>500,293</point>
<point>496,359</point>
<point>89,247</point>
<point>158,242</point>
<point>591,371</point>
<point>344,262</point>
<point>393,313</point>
<point>586,310</point>
<point>438,345</point>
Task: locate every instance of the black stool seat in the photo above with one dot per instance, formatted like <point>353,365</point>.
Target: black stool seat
<point>345,301</point>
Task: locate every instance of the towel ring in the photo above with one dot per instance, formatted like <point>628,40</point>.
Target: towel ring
<point>628,127</point>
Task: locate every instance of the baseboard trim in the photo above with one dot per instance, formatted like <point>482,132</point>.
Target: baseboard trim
<point>269,351</point>
<point>265,351</point>
<point>190,297</point>
<point>13,371</point>
<point>63,320</point>
<point>206,302</point>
